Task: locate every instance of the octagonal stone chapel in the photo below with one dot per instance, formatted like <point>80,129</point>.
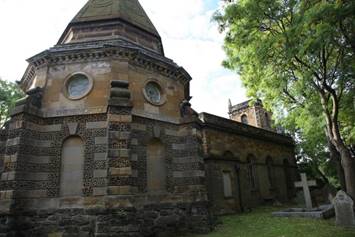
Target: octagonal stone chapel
<point>106,143</point>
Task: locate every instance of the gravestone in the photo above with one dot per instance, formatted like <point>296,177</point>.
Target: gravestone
<point>344,210</point>
<point>305,184</point>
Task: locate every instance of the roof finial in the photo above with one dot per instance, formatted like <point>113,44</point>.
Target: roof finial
<point>230,105</point>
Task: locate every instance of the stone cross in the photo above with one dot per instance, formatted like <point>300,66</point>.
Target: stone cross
<point>305,184</point>
<point>344,210</point>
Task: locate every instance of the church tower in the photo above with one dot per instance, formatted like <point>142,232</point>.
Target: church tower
<point>105,142</point>
<point>254,115</point>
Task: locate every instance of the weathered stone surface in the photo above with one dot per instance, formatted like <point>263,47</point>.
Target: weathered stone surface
<point>322,212</point>
<point>44,128</point>
<point>100,173</point>
<point>344,210</point>
<point>96,125</point>
<point>100,140</point>
<point>73,128</point>
<point>100,156</point>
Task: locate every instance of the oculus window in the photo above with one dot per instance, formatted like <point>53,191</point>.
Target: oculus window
<point>152,92</point>
<point>78,86</point>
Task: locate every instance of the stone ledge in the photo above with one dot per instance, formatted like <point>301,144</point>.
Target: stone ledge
<point>8,176</point>
<point>44,128</point>
<point>230,126</point>
<point>40,176</point>
<point>40,143</point>
<point>119,118</point>
<point>188,159</point>
<point>6,194</point>
<point>140,127</point>
<point>179,146</point>
<point>120,135</point>
<point>121,171</point>
<point>100,173</point>
<point>39,159</point>
<point>100,191</point>
<point>96,125</point>
<point>32,194</point>
<point>182,132</point>
<point>16,125</point>
<point>122,190</point>
<point>101,140</point>
<point>119,153</point>
<point>13,142</point>
<point>188,174</point>
<point>100,156</point>
<point>10,158</point>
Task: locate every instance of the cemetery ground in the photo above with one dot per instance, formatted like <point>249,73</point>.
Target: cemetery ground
<point>260,223</point>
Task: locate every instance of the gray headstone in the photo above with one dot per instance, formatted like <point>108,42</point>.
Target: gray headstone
<point>344,210</point>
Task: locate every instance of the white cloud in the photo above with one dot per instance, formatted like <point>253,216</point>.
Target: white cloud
<point>189,38</point>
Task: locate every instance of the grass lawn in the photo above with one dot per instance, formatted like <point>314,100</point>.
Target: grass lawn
<point>260,223</point>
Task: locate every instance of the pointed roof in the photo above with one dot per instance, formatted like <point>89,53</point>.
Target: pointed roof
<point>130,11</point>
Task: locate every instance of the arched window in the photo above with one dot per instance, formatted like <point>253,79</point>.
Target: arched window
<point>244,119</point>
<point>156,166</point>
<point>270,170</point>
<point>227,184</point>
<point>267,120</point>
<point>251,172</point>
<point>72,167</point>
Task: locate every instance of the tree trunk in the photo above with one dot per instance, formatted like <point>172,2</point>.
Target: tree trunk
<point>349,170</point>
<point>336,160</point>
<point>335,138</point>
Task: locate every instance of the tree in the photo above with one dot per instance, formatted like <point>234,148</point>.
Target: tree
<point>9,94</point>
<point>316,155</point>
<point>297,54</point>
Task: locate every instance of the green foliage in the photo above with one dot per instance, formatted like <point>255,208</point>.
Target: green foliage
<point>259,223</point>
<point>9,93</point>
<point>292,54</point>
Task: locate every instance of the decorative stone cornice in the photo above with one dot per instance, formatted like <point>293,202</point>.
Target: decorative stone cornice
<point>103,50</point>
<point>231,126</point>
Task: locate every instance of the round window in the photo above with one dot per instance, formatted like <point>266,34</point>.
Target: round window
<point>78,86</point>
<point>153,92</point>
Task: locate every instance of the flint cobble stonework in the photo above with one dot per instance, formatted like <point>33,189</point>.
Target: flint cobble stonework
<point>132,222</point>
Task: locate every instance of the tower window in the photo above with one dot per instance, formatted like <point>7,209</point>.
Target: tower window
<point>267,120</point>
<point>244,119</point>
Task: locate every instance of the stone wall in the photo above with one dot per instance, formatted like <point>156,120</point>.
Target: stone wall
<point>185,164</point>
<point>149,220</point>
<point>229,147</point>
<point>32,158</point>
<point>115,197</point>
<point>3,138</point>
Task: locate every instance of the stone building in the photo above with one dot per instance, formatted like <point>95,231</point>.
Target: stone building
<point>106,142</point>
<point>254,115</point>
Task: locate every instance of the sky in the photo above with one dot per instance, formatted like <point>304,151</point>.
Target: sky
<point>189,37</point>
